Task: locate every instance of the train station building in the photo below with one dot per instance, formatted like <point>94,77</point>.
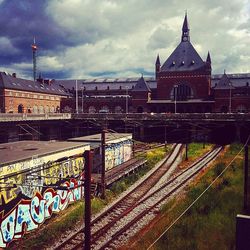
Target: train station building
<point>183,83</point>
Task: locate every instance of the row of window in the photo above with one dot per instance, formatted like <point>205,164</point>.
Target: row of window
<point>35,96</point>
<point>36,109</point>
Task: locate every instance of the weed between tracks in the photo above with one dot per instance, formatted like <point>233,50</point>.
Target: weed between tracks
<point>210,223</point>
<point>152,157</point>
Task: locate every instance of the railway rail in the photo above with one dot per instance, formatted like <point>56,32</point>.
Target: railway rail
<point>139,206</point>
<point>76,240</point>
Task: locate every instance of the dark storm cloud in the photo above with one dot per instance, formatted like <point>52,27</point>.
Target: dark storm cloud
<point>86,38</point>
<point>20,22</point>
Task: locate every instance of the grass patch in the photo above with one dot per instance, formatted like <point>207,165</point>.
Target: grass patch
<point>196,150</point>
<point>210,223</point>
<point>153,156</point>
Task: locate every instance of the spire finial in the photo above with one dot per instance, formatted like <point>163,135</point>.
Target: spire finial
<point>185,30</point>
<point>141,74</point>
<point>208,58</point>
<point>224,71</point>
<point>158,60</point>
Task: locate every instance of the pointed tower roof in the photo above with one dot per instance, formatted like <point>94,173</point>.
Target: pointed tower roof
<point>224,82</point>
<point>185,30</point>
<point>141,85</point>
<point>208,58</point>
<point>184,57</point>
<point>158,62</point>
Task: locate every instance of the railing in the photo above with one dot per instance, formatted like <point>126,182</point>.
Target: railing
<point>30,117</point>
<point>8,117</point>
<point>166,116</point>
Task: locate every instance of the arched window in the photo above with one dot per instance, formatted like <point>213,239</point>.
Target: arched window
<point>41,109</point>
<point>35,109</point>
<point>52,109</point>
<point>118,109</point>
<point>241,109</point>
<point>140,109</point>
<point>47,109</point>
<point>224,109</point>
<point>20,108</point>
<point>105,108</point>
<point>181,92</point>
<point>92,110</point>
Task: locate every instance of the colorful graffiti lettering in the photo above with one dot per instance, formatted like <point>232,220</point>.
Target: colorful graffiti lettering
<point>116,154</point>
<point>32,181</point>
<point>27,215</point>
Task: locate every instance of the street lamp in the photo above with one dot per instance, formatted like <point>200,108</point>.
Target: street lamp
<point>175,97</point>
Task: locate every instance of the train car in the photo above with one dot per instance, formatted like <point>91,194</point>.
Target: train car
<point>38,178</point>
<point>118,149</point>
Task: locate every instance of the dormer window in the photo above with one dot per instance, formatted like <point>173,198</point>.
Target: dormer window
<point>173,63</point>
<point>192,62</point>
<point>182,63</point>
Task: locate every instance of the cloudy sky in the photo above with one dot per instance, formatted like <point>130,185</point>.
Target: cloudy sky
<point>119,38</point>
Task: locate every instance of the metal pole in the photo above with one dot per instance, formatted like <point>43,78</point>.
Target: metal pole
<point>82,100</point>
<point>103,141</point>
<point>88,155</point>
<point>186,157</point>
<point>175,95</point>
<point>76,98</point>
<point>230,99</point>
<point>246,184</point>
<point>165,135</point>
<point>126,99</point>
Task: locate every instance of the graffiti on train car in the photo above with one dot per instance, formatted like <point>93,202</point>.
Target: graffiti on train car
<point>26,181</point>
<point>117,153</point>
<point>31,191</point>
<point>28,214</point>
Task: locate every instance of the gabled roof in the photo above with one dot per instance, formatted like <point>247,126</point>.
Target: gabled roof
<point>224,83</point>
<point>8,81</point>
<point>141,85</point>
<point>184,58</point>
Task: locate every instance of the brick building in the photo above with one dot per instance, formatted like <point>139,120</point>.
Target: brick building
<point>183,83</point>
<point>24,96</point>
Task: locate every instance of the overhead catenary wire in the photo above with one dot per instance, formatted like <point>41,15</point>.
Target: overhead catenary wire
<point>206,189</point>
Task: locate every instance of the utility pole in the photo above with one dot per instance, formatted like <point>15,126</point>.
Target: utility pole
<point>246,184</point>
<point>103,182</point>
<point>126,99</point>
<point>88,156</point>
<point>165,136</point>
<point>175,97</point>
<point>82,100</point>
<point>186,155</point>
<point>230,98</point>
<point>76,98</point>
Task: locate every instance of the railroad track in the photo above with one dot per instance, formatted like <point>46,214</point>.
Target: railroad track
<point>116,224</point>
<point>146,209</point>
<point>103,221</point>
